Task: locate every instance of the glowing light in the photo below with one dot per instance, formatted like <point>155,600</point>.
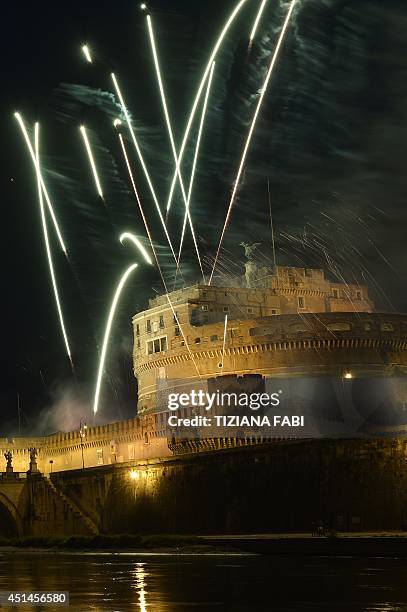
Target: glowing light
<point>198,142</point>
<point>137,243</point>
<point>134,475</point>
<point>348,375</point>
<point>253,125</point>
<point>169,128</point>
<point>47,244</point>
<point>215,50</point>
<point>256,21</point>
<point>143,7</point>
<point>44,189</point>
<point>143,165</point>
<point>133,184</point>
<point>91,160</point>
<point>116,123</point>
<point>87,54</point>
<point>107,333</point>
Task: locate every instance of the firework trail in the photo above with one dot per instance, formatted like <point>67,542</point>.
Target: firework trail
<point>132,238</point>
<point>107,333</point>
<point>171,136</point>
<point>44,189</point>
<point>133,184</point>
<point>224,339</point>
<point>47,244</point>
<point>143,165</point>
<point>257,20</point>
<point>91,161</point>
<point>252,127</point>
<point>198,142</point>
<point>86,52</point>
<point>191,117</point>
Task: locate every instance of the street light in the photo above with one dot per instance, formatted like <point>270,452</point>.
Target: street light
<point>82,432</point>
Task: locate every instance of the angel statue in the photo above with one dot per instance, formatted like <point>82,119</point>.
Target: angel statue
<point>249,249</point>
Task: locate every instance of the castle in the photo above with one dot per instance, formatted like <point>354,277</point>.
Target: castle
<point>281,323</point>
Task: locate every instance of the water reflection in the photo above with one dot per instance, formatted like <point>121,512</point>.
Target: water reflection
<point>140,585</point>
<point>159,583</point>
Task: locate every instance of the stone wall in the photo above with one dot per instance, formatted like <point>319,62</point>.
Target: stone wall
<point>358,485</point>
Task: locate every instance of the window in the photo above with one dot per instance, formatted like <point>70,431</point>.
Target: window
<point>214,338</point>
<point>197,340</point>
<point>226,308</point>
<point>301,302</point>
<point>138,343</point>
<point>137,329</point>
<point>148,326</point>
<point>339,327</point>
<point>335,293</point>
<point>274,312</point>
<point>386,327</point>
<point>250,310</point>
<point>205,307</point>
<point>158,345</point>
<point>99,456</point>
<point>177,331</point>
<point>161,321</point>
<point>176,318</point>
<point>358,295</point>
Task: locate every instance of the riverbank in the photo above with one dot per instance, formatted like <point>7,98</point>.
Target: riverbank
<point>386,544</point>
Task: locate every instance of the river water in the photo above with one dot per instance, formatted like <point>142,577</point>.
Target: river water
<point>167,583</point>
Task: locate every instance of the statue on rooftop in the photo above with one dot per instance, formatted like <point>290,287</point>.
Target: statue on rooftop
<point>249,249</point>
<point>8,455</point>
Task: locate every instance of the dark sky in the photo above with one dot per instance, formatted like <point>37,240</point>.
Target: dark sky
<point>331,138</point>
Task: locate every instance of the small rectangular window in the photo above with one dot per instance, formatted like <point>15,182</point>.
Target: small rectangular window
<point>150,347</point>
<point>386,327</point>
<point>148,326</point>
<point>205,307</point>
<point>197,340</point>
<point>156,345</point>
<point>163,344</point>
<point>99,456</point>
<point>274,312</point>
<point>214,338</point>
<point>358,295</point>
<point>137,329</point>
<point>226,309</point>
<point>301,302</point>
<point>138,343</point>
<point>177,331</point>
<point>335,293</point>
<point>161,321</point>
<point>250,310</point>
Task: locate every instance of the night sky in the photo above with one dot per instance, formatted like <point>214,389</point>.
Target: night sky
<point>331,139</point>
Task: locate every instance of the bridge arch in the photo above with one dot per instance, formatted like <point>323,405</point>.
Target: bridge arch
<point>10,520</point>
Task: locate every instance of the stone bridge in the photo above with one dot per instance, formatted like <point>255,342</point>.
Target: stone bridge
<point>281,486</point>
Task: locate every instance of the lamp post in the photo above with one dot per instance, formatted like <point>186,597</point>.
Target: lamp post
<point>82,432</point>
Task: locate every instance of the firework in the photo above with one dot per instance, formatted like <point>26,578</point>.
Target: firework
<point>132,238</point>
<point>143,165</point>
<point>133,184</point>
<point>86,52</point>
<point>47,245</point>
<point>191,117</point>
<point>91,160</point>
<point>106,337</point>
<point>252,127</point>
<point>44,189</point>
<point>257,20</point>
<point>170,133</point>
<point>224,339</point>
<point>198,142</point>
